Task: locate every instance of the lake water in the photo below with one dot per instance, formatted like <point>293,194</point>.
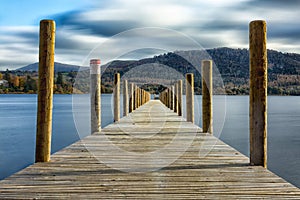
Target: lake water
<point>18,119</point>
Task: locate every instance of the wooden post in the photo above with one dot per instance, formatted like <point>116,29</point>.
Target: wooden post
<point>163,97</point>
<point>135,97</point>
<point>125,98</point>
<point>169,98</point>
<point>179,96</point>
<point>138,97</point>
<point>117,97</point>
<point>45,91</point>
<point>147,96</point>
<point>175,98</point>
<point>131,101</point>
<point>190,97</point>
<point>142,96</point>
<point>166,98</point>
<point>95,95</point>
<point>258,93</point>
<point>207,92</point>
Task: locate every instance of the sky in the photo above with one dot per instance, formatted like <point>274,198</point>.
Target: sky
<point>83,26</point>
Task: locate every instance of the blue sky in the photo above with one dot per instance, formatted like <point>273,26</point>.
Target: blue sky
<point>84,24</point>
<point>29,12</point>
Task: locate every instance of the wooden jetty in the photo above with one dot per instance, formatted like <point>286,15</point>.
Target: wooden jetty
<point>75,173</point>
<point>152,152</point>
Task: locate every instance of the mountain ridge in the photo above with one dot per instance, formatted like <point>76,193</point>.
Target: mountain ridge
<point>58,67</point>
<point>232,64</point>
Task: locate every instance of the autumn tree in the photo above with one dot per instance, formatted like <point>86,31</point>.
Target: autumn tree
<point>16,81</point>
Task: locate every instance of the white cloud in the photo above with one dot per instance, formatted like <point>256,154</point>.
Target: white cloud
<point>212,23</point>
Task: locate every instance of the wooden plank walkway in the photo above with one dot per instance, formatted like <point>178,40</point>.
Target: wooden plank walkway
<point>129,159</point>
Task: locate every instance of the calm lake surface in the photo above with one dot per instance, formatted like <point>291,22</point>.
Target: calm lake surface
<point>18,120</point>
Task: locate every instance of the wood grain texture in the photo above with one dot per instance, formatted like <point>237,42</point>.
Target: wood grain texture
<point>189,97</point>
<point>77,173</point>
<point>207,96</point>
<point>258,92</point>
<point>95,95</point>
<point>45,91</point>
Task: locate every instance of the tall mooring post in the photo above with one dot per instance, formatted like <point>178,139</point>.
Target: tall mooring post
<point>207,94</point>
<point>45,91</point>
<point>179,97</point>
<point>125,98</point>
<point>190,97</point>
<point>95,95</point>
<point>117,97</point>
<point>258,93</point>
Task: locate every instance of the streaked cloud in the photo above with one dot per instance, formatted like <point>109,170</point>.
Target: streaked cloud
<point>212,23</point>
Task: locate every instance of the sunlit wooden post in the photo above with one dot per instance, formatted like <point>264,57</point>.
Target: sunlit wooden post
<point>125,98</point>
<point>95,95</point>
<point>179,98</point>
<point>190,97</point>
<point>142,97</point>
<point>258,93</point>
<point>138,97</point>
<point>147,96</point>
<point>45,91</point>
<point>117,97</point>
<point>135,96</point>
<point>131,101</point>
<point>207,94</point>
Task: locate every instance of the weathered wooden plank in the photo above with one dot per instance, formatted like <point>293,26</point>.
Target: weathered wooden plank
<point>77,172</point>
